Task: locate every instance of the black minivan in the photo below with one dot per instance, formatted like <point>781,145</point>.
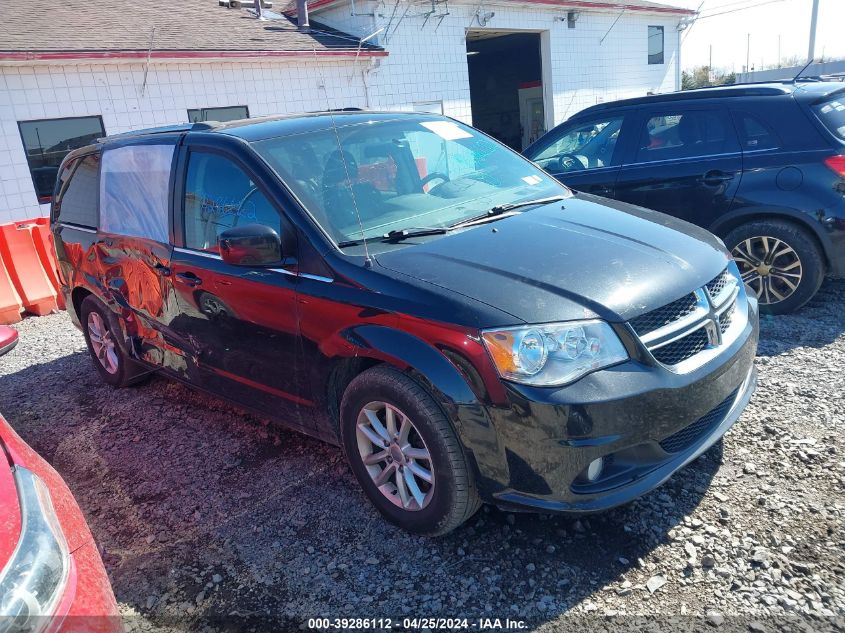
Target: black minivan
<point>463,325</point>
<point>760,165</point>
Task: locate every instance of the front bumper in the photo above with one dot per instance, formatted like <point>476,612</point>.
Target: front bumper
<point>87,603</point>
<point>643,420</point>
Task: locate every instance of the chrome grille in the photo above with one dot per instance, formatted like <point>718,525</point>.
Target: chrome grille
<point>716,285</point>
<point>683,348</point>
<point>669,313</point>
<point>726,318</point>
<point>687,332</point>
<point>688,435</point>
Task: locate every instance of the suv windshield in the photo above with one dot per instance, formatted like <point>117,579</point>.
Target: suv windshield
<point>408,173</point>
<point>832,114</point>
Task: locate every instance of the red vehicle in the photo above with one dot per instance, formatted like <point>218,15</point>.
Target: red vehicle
<point>8,338</point>
<point>51,576</point>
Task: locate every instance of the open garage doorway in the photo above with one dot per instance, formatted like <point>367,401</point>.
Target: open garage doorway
<point>505,85</point>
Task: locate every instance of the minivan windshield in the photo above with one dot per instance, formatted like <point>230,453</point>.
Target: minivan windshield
<point>414,172</point>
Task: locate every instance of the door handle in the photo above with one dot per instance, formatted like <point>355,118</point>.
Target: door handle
<point>161,269</point>
<point>189,279</point>
<point>601,190</point>
<point>715,176</point>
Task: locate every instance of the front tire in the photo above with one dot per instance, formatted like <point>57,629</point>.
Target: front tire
<point>781,262</point>
<point>405,453</point>
<point>102,334</point>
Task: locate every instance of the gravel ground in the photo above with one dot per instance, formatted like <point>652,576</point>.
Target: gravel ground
<point>203,511</point>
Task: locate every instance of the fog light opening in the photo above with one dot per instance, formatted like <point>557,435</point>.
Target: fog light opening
<point>593,471</point>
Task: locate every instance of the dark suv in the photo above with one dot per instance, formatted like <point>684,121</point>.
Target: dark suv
<point>762,166</point>
<point>458,321</point>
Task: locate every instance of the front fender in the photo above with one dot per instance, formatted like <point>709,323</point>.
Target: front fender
<point>462,404</point>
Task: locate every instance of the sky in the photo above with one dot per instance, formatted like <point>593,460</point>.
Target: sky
<point>766,21</point>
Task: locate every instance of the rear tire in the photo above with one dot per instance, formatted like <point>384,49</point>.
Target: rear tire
<point>780,261</point>
<point>422,482</point>
<point>103,335</point>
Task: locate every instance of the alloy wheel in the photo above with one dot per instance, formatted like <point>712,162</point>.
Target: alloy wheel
<point>102,342</point>
<point>769,266</point>
<point>395,456</point>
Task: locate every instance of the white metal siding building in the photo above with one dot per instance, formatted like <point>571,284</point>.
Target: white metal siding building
<point>148,66</point>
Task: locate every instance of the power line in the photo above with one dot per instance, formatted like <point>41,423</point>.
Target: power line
<point>752,6</point>
<point>725,6</point>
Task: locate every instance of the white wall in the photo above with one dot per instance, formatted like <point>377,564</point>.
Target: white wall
<point>114,91</point>
<point>428,61</point>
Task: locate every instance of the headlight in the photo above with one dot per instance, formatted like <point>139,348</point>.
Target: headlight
<point>33,580</point>
<point>553,354</point>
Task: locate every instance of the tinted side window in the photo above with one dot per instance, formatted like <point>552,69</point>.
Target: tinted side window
<point>592,144</point>
<point>220,195</point>
<point>135,191</point>
<point>832,114</point>
<point>754,133</point>
<point>685,134</point>
<point>77,203</point>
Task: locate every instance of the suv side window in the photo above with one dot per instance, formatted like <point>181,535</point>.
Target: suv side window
<point>686,134</point>
<point>77,201</point>
<point>135,191</point>
<point>591,143</point>
<point>754,134</point>
<point>219,195</point>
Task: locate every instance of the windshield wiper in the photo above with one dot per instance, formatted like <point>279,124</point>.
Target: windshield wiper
<point>400,234</point>
<point>499,211</point>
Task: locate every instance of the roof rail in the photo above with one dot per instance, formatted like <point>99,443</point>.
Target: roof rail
<point>164,129</point>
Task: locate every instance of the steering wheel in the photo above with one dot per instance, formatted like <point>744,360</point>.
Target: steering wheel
<point>569,162</point>
<point>436,175</point>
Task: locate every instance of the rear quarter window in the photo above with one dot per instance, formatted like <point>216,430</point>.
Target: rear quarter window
<point>77,201</point>
<point>754,132</point>
<point>135,191</point>
<point>832,115</point>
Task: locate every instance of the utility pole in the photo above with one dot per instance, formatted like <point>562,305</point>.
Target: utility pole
<point>814,18</point>
<point>748,54</point>
<point>710,66</point>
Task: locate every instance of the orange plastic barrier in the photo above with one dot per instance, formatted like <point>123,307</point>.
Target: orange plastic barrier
<point>43,239</point>
<point>10,301</point>
<point>24,267</point>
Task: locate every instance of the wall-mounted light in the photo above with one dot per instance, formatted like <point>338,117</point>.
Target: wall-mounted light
<point>572,18</point>
<point>484,18</point>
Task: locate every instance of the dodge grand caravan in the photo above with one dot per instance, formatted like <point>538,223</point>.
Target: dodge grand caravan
<point>465,327</point>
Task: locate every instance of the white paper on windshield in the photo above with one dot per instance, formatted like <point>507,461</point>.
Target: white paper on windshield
<point>446,130</point>
<point>533,180</point>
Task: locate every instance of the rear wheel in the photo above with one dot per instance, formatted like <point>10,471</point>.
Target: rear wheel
<point>405,454</point>
<point>102,334</point>
<point>779,261</point>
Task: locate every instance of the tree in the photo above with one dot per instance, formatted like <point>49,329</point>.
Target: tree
<point>704,76</point>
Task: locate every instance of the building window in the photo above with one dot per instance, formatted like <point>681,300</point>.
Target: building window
<point>227,113</point>
<point>46,142</point>
<point>655,45</point>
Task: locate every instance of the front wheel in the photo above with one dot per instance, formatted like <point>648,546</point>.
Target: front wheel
<point>781,262</point>
<point>405,453</point>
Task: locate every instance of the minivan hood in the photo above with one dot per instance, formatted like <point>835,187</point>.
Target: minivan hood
<point>579,258</point>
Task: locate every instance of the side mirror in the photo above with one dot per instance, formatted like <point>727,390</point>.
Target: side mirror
<point>250,245</point>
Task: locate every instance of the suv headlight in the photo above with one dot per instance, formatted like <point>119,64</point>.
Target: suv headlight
<point>32,582</point>
<point>553,354</point>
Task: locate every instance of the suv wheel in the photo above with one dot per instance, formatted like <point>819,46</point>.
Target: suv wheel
<point>102,334</point>
<point>779,261</point>
<point>405,453</point>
